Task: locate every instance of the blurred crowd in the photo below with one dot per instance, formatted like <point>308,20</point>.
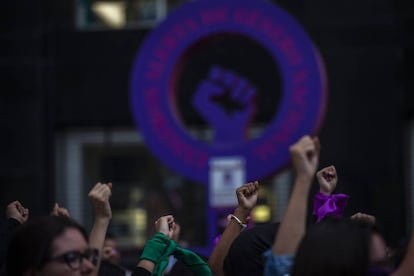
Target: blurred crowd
<point>331,244</point>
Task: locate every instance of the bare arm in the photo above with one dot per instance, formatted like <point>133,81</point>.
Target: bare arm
<point>16,215</point>
<point>305,157</point>
<point>99,197</point>
<point>247,198</point>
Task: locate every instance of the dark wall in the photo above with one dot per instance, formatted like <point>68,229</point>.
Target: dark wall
<point>24,131</point>
<point>54,76</point>
<point>362,44</point>
<point>92,77</point>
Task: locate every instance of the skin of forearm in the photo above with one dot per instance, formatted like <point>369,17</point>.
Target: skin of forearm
<point>292,227</point>
<point>146,264</point>
<point>242,213</point>
<point>231,232</point>
<point>97,236</point>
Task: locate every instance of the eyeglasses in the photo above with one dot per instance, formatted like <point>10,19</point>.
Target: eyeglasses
<point>74,259</point>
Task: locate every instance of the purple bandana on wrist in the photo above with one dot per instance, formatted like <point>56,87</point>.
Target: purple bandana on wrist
<point>329,205</point>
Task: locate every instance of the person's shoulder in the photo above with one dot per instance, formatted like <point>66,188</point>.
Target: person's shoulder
<point>108,269</point>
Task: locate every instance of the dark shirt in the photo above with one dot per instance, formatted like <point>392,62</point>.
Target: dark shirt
<point>245,256</point>
<point>108,269</point>
<point>7,229</point>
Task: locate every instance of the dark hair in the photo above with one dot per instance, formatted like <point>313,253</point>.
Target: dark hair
<point>245,256</point>
<point>31,244</point>
<point>110,236</point>
<point>334,247</point>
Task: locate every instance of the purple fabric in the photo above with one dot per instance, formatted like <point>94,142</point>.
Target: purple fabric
<point>329,205</point>
<point>378,271</point>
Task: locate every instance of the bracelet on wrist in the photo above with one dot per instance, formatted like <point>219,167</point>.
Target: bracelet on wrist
<point>233,217</point>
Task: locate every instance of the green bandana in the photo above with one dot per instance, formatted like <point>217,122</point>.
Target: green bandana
<point>160,247</point>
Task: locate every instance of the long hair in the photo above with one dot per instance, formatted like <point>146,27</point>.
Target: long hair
<point>30,246</point>
<point>334,247</point>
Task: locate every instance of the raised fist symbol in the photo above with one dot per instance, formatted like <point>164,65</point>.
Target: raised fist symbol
<point>226,101</point>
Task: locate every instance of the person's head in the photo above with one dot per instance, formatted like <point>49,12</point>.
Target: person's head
<point>334,247</point>
<point>380,261</point>
<point>50,246</point>
<point>245,256</point>
<point>110,252</point>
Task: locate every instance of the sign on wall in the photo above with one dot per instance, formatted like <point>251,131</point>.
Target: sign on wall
<point>186,33</point>
<point>222,63</point>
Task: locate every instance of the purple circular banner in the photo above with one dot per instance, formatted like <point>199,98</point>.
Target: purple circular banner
<point>158,65</point>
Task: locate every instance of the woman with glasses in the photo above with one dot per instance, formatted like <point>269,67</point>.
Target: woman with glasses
<point>51,246</point>
<point>57,245</point>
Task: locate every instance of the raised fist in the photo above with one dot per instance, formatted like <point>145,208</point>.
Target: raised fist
<point>226,101</point>
<point>327,179</point>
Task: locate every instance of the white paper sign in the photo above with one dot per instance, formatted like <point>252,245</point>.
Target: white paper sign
<point>226,175</point>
